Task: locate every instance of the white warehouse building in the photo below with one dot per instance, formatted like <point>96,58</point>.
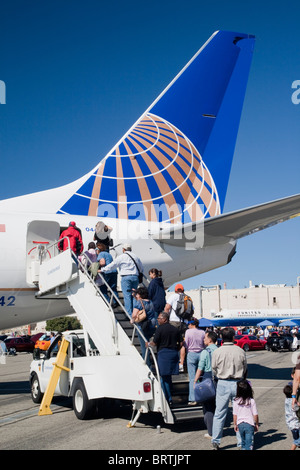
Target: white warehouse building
<point>210,300</point>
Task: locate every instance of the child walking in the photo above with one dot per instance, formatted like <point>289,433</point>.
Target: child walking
<point>245,416</point>
<point>291,418</point>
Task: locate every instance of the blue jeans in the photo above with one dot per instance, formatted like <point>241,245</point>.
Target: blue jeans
<point>192,361</point>
<point>112,280</point>
<point>226,392</point>
<point>166,385</point>
<point>246,431</point>
<point>127,284</point>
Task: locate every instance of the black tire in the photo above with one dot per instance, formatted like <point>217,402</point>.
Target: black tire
<point>35,389</point>
<point>246,347</point>
<point>82,406</point>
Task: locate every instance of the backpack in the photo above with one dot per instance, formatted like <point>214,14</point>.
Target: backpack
<point>93,269</point>
<point>184,309</point>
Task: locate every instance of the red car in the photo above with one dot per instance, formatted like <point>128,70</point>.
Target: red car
<point>20,344</point>
<point>250,342</point>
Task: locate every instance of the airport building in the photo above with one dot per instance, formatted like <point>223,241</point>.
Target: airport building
<point>209,300</point>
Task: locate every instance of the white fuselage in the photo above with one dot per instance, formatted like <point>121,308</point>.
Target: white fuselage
<point>22,233</point>
<point>251,317</point>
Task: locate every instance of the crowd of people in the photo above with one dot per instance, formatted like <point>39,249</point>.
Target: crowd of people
<point>179,341</point>
<point>264,333</point>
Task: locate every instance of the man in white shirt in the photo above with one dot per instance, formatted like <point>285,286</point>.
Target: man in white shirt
<point>266,333</point>
<point>172,304</point>
<point>129,266</point>
<point>175,320</point>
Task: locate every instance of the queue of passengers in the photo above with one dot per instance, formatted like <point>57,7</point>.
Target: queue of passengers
<point>178,340</point>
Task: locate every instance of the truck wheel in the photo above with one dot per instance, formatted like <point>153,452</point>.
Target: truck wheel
<point>36,393</point>
<point>83,407</point>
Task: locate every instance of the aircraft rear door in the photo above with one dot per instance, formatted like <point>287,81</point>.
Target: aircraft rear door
<point>41,234</point>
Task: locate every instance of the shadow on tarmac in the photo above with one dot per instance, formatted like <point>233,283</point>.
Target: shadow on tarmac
<point>7,388</point>
<point>256,371</point>
<point>261,438</point>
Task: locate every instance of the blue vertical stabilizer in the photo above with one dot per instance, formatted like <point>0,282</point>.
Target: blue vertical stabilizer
<point>174,163</point>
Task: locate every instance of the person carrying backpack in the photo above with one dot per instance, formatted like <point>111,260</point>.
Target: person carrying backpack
<point>181,309</point>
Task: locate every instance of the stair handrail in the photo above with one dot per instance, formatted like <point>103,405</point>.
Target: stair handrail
<point>113,297</point>
<point>84,269</point>
<point>42,250</point>
<point>136,329</point>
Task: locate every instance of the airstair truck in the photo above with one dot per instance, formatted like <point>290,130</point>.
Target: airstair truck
<point>101,360</point>
<point>88,377</point>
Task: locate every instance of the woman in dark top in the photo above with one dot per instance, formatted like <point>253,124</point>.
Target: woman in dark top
<point>147,327</point>
<point>156,291</point>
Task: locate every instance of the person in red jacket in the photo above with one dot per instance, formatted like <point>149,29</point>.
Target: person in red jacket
<point>75,240</point>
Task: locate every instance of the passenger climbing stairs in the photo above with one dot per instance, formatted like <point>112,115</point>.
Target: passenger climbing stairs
<point>180,409</point>
<point>117,341</point>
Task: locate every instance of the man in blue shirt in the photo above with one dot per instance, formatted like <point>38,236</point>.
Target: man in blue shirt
<point>205,370</point>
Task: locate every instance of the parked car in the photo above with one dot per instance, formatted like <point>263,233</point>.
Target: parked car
<point>250,342</point>
<point>35,337</point>
<point>43,342</point>
<point>19,344</point>
<point>279,342</point>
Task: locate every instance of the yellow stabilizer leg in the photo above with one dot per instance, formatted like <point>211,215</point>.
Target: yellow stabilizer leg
<point>58,367</point>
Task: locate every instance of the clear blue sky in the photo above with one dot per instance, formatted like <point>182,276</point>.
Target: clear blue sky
<point>78,75</point>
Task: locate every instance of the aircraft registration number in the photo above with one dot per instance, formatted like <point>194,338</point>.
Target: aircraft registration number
<point>7,301</point>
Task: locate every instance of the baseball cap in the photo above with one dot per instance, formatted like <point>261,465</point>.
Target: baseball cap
<point>179,286</point>
<point>126,246</point>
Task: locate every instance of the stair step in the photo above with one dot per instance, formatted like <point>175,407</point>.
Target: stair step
<point>186,413</point>
<point>180,383</point>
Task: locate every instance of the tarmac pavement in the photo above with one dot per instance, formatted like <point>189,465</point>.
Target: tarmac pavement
<point>22,429</point>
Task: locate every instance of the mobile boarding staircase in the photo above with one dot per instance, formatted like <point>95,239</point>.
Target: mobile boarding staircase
<point>120,363</point>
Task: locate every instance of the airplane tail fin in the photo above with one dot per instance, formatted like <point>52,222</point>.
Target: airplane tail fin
<point>173,165</point>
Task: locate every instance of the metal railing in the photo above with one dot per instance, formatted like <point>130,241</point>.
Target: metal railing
<point>136,329</point>
<point>113,300</point>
